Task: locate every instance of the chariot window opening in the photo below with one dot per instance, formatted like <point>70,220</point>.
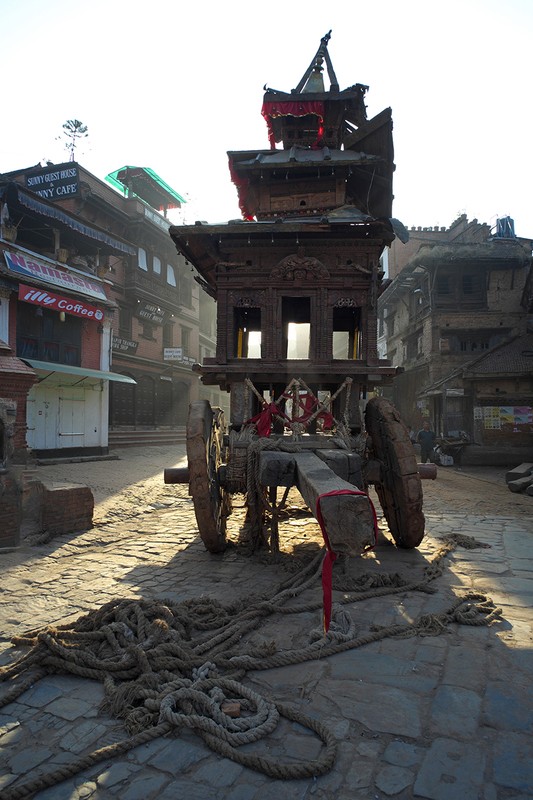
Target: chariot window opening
<point>248,332</point>
<point>346,339</point>
<point>296,327</point>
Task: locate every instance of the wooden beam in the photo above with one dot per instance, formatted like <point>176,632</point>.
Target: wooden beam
<point>348,518</point>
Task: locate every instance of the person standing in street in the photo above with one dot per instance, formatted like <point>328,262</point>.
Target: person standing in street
<point>426,440</point>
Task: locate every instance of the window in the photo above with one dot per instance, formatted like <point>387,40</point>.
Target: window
<point>346,333</point>
<point>443,284</point>
<point>171,276</point>
<point>142,261</point>
<point>42,335</point>
<point>473,345</point>
<point>472,341</point>
<point>471,284</point>
<point>124,323</point>
<point>185,340</point>
<point>167,334</point>
<point>460,288</point>
<point>247,332</point>
<point>156,265</point>
<point>413,346</point>
<point>296,327</point>
<point>148,331</point>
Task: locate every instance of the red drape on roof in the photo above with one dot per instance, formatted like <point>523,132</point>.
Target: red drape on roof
<point>291,108</point>
<point>242,185</point>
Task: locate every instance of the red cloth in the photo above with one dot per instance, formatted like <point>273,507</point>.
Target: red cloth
<point>331,557</point>
<point>291,108</point>
<point>263,420</point>
<point>242,185</point>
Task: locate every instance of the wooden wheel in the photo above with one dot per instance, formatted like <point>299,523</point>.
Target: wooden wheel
<point>205,454</point>
<point>399,487</point>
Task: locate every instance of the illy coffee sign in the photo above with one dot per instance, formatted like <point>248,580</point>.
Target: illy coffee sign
<point>57,302</point>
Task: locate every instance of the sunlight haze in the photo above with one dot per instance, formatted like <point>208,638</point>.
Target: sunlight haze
<point>173,86</point>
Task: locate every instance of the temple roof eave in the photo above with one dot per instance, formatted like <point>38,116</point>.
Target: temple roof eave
<point>298,158</point>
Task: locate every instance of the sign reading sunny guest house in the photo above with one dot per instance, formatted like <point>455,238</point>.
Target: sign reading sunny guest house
<point>55,182</point>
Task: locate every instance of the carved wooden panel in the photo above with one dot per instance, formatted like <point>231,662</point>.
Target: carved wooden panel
<point>251,300</point>
<point>299,268</point>
<point>353,300</point>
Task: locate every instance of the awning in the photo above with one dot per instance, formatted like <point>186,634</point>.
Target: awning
<point>65,375</point>
<point>147,185</point>
<point>18,199</point>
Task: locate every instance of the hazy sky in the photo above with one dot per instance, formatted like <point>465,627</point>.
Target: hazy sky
<point>174,85</point>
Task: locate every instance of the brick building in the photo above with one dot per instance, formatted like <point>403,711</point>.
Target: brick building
<point>56,319</point>
<point>458,295</point>
<point>150,332</point>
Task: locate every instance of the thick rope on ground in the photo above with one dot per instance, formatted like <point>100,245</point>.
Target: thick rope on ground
<point>168,665</point>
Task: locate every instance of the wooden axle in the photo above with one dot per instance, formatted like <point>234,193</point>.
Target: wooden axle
<point>181,474</point>
<point>176,475</point>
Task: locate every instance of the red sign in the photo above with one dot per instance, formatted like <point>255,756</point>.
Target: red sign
<point>46,299</point>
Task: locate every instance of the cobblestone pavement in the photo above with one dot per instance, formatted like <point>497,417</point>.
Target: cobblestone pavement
<point>445,717</point>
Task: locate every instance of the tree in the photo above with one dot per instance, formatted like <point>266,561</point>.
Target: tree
<point>74,130</point>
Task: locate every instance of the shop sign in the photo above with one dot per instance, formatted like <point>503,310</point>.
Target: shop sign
<point>176,354</point>
<point>37,270</point>
<point>124,345</point>
<point>151,313</point>
<point>55,182</point>
<point>56,302</point>
<point>172,353</point>
<point>161,222</point>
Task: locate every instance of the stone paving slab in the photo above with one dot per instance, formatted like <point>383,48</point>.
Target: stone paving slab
<point>444,717</point>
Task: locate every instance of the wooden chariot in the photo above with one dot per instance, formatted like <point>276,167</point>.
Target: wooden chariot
<point>296,282</point>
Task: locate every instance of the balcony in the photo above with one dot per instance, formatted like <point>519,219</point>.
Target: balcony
<point>152,288</point>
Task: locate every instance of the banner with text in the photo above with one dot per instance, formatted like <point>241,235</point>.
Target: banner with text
<point>30,267</point>
<point>56,302</point>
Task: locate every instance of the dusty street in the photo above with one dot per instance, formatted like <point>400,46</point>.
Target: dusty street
<point>432,715</point>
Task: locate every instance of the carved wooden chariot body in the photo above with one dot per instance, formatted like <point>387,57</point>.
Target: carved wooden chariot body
<point>296,282</point>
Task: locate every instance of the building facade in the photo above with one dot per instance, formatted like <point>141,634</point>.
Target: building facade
<point>457,295</point>
<point>149,331</point>
<point>56,317</point>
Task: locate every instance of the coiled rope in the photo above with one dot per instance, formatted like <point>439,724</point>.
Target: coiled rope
<point>166,666</point>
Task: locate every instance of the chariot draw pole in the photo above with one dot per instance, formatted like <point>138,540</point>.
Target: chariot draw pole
<point>296,282</point>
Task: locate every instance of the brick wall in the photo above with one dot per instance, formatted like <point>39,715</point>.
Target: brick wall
<point>16,379</point>
<point>91,345</point>
<point>67,509</point>
<point>10,511</point>
<point>148,348</point>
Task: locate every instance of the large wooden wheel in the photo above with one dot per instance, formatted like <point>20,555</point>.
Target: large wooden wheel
<point>399,487</point>
<point>205,454</point>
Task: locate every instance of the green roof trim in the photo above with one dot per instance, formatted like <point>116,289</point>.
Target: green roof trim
<point>146,184</point>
